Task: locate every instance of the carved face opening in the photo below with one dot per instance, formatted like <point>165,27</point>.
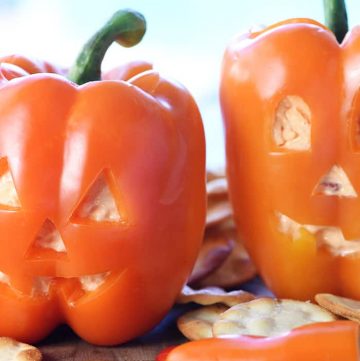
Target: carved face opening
<point>102,205</point>
<point>98,205</point>
<point>291,133</point>
<point>291,104</point>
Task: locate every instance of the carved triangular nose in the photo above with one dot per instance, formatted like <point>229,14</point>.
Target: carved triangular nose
<point>335,183</point>
<point>49,237</point>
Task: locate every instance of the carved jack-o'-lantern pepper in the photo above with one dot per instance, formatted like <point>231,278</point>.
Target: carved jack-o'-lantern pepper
<point>291,108</point>
<point>102,195</point>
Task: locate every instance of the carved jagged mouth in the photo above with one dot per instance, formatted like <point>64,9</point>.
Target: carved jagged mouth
<point>41,285</point>
<point>329,237</point>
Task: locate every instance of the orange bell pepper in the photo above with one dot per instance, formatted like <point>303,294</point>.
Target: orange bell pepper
<point>127,71</point>
<point>290,103</point>
<point>102,196</point>
<point>31,65</point>
<point>326,341</point>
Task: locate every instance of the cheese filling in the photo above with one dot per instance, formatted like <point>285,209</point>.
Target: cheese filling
<point>4,278</point>
<point>42,284</point>
<point>93,282</point>
<point>330,237</point>
<point>8,194</point>
<point>291,127</point>
<point>49,237</point>
<point>99,204</point>
<point>336,183</point>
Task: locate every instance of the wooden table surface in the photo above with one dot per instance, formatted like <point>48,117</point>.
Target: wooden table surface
<point>63,344</point>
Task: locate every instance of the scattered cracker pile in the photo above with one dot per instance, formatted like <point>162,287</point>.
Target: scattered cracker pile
<point>223,261</point>
<point>256,317</point>
<point>222,266</point>
<point>341,306</point>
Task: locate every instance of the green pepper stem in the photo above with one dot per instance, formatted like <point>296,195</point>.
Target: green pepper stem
<point>127,27</point>
<point>336,18</point>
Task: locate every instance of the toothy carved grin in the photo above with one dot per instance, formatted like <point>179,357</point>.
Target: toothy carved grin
<point>93,282</point>
<point>326,236</point>
<point>41,284</point>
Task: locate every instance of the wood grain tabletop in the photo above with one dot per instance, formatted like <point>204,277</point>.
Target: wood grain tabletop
<point>63,344</point>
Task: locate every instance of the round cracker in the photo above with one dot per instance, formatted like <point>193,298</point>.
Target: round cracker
<point>214,251</point>
<point>268,317</point>
<point>212,295</point>
<point>341,306</point>
<point>217,187</point>
<point>218,210</point>
<point>215,174</point>
<point>235,270</point>
<point>197,324</point>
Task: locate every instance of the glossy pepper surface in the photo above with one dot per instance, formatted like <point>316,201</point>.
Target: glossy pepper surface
<point>102,202</point>
<point>291,106</point>
<point>327,341</point>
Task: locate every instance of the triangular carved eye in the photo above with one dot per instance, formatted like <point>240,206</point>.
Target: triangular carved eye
<point>335,183</point>
<point>99,204</point>
<point>9,199</point>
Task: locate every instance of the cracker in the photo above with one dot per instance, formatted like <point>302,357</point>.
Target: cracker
<point>217,187</point>
<point>215,174</point>
<point>214,251</point>
<point>11,350</point>
<point>268,317</point>
<point>212,295</point>
<point>235,270</point>
<point>218,210</point>
<point>341,306</point>
<point>197,324</point>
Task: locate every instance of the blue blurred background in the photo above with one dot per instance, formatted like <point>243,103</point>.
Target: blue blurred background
<point>185,39</point>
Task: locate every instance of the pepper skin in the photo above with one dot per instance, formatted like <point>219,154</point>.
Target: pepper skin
<point>282,214</point>
<point>31,65</point>
<point>163,354</point>
<point>145,139</point>
<point>127,71</point>
<point>327,341</point>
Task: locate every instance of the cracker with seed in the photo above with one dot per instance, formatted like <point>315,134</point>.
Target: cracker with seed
<point>197,324</point>
<point>341,306</point>
<point>11,350</point>
<point>268,317</point>
<point>212,295</point>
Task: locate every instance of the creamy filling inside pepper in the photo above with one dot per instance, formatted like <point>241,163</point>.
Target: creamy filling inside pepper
<point>8,194</point>
<point>327,236</point>
<point>336,183</point>
<point>41,285</point>
<point>292,127</point>
<point>93,282</point>
<point>4,278</point>
<point>99,204</point>
<point>49,237</point>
